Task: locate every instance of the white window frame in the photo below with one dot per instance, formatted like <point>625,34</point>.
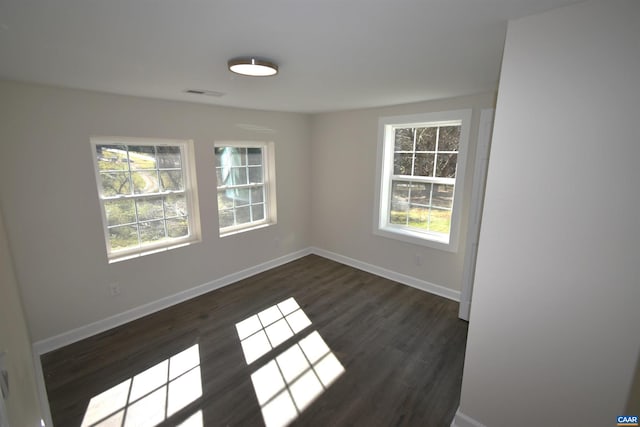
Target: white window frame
<point>190,192</point>
<point>269,184</point>
<point>384,175</point>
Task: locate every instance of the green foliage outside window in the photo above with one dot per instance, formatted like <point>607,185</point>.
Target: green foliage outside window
<point>142,188</point>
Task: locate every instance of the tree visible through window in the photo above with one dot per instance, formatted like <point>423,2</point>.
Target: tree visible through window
<point>144,193</point>
<point>245,193</point>
<point>424,171</point>
<point>420,174</point>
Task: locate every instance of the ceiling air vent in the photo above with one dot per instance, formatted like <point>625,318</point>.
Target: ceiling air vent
<point>204,92</point>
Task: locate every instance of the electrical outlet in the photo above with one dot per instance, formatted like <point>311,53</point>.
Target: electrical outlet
<point>418,259</point>
<point>114,289</point>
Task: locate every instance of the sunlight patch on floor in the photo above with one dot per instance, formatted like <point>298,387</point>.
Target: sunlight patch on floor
<point>194,420</point>
<point>150,397</point>
<point>269,328</point>
<point>294,378</point>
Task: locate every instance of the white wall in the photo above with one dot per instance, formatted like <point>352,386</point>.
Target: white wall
<point>47,186</point>
<point>344,161</point>
<point>633,401</point>
<point>48,191</point>
<point>22,404</point>
<point>554,332</point>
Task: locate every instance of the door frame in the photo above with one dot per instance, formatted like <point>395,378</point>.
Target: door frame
<point>480,167</point>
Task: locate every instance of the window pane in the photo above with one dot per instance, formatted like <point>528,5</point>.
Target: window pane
<point>403,139</point>
<point>224,176</point>
<point>219,177</point>
<point>234,156</point>
<point>255,156</point>
<point>255,175</point>
<point>120,212</point>
<point>142,157</point>
<point>257,194</point>
<point>420,193</point>
<point>150,208</point>
<point>123,237</point>
<point>219,151</point>
<point>111,157</point>
<point>177,227</point>
<point>399,202</point>
<point>115,183</point>
<point>399,196</point>
<point>447,165</point>
<point>440,220</point>
<point>239,176</point>
<point>449,138</point>
<point>171,180</point>
<point>426,139</point>
<point>175,205</point>
<point>418,216</point>
<point>424,164</point>
<point>399,217</point>
<point>145,182</point>
<point>402,164</point>
<point>225,199</point>
<point>442,196</point>
<point>151,231</point>
<point>169,156</point>
<point>243,215</point>
<point>257,212</point>
<point>241,196</point>
<point>225,218</point>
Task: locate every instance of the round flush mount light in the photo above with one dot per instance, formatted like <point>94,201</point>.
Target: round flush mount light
<point>254,67</point>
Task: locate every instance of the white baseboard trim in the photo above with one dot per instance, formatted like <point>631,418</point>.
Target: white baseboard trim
<point>74,335</point>
<point>49,344</point>
<point>53,343</point>
<point>464,310</point>
<point>390,274</point>
<point>462,420</point>
<point>45,411</point>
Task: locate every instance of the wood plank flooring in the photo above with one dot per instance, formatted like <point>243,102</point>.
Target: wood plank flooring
<point>402,352</point>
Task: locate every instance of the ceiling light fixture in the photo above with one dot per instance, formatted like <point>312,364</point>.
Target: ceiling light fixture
<point>254,67</point>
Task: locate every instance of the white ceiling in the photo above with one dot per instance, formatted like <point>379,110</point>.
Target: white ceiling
<point>333,54</point>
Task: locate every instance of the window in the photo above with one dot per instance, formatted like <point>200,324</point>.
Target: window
<point>246,186</point>
<point>146,192</point>
<point>421,169</point>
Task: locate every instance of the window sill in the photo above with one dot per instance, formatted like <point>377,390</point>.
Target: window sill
<point>245,229</point>
<point>148,251</point>
<point>417,238</point>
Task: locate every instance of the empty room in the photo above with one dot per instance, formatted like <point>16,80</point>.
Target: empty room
<point>295,213</point>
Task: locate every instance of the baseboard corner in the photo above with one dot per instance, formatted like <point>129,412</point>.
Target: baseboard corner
<point>404,279</point>
<point>462,420</point>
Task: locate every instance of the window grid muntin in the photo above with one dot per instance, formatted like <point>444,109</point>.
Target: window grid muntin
<point>411,179</point>
<point>166,241</point>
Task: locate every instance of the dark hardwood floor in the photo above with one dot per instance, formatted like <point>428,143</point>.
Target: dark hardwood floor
<point>399,355</point>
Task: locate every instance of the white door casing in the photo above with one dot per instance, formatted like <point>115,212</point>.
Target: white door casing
<point>475,213</point>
